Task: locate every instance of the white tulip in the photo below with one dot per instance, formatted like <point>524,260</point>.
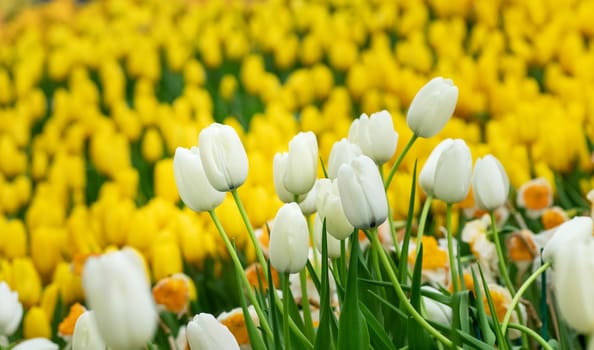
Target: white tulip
<point>362,193</point>
<point>223,157</point>
<point>332,244</point>
<point>279,164</point>
<point>289,239</point>
<point>302,163</point>
<point>447,172</point>
<point>432,107</point>
<point>204,332</point>
<point>573,232</point>
<point>490,184</point>
<point>117,290</point>
<point>86,334</point>
<point>375,135</point>
<point>436,311</point>
<point>330,208</point>
<point>308,204</point>
<point>193,186</point>
<point>342,152</point>
<point>11,310</point>
<point>36,344</point>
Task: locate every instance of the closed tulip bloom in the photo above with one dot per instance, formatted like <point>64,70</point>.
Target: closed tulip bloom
<point>330,208</point>
<point>86,335</point>
<point>490,184</point>
<point>342,152</point>
<point>447,172</point>
<point>333,244</point>
<point>36,344</point>
<point>117,290</point>
<point>11,310</point>
<point>432,107</point>
<point>289,239</point>
<point>573,232</point>
<point>308,204</point>
<point>302,163</point>
<point>375,136</point>
<point>194,188</point>
<point>279,164</point>
<point>362,193</point>
<point>204,332</point>
<point>223,157</point>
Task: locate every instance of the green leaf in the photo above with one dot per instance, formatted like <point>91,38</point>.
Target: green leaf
<point>461,312</point>
<point>501,340</point>
<point>377,332</point>
<point>486,331</point>
<point>274,315</point>
<point>403,264</point>
<point>256,340</point>
<point>327,329</point>
<point>352,330</point>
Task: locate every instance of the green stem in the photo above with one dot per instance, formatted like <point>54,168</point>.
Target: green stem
<point>239,267</point>
<point>309,330</point>
<point>400,293</point>
<point>423,220</point>
<point>500,257</point>
<point>399,160</point>
<point>251,233</point>
<point>450,234</point>
<point>390,217</point>
<point>533,334</point>
<point>519,294</point>
<point>286,333</point>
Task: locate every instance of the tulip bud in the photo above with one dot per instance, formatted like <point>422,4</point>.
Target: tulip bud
<point>279,164</point>
<point>332,244</point>
<point>573,232</point>
<point>36,344</point>
<point>362,193</point>
<point>436,311</point>
<point>447,172</point>
<point>117,290</point>
<point>308,204</point>
<point>11,310</point>
<point>194,188</point>
<point>375,135</point>
<point>301,163</point>
<point>330,208</point>
<point>490,184</point>
<point>86,333</point>
<point>432,107</point>
<point>223,157</point>
<point>204,332</point>
<point>289,239</point>
<point>342,152</point>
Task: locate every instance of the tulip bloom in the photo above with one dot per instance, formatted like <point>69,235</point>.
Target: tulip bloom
<point>332,244</point>
<point>301,165</point>
<point>279,164</point>
<point>86,334</point>
<point>11,310</point>
<point>223,157</point>
<point>490,184</point>
<point>447,172</point>
<point>571,233</point>
<point>375,135</point>
<point>193,186</point>
<point>117,290</point>
<point>204,332</point>
<point>330,208</point>
<point>342,152</point>
<point>36,344</point>
<point>362,193</point>
<point>289,239</point>
<point>432,107</point>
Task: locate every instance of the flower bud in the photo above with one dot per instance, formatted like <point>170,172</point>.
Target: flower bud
<point>375,135</point>
<point>279,164</point>
<point>289,239</point>
<point>204,332</point>
<point>194,188</point>
<point>490,184</point>
<point>362,193</point>
<point>223,157</point>
<point>436,311</point>
<point>332,244</point>
<point>36,344</point>
<point>432,107</point>
<point>342,152</point>
<point>86,333</point>
<point>11,310</point>
<point>302,163</point>
<point>330,208</point>
<point>447,172</point>
<point>571,233</point>
<point>117,290</point>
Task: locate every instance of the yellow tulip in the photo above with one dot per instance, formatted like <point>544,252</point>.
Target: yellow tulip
<point>68,282</point>
<point>165,181</point>
<point>26,281</point>
<point>14,239</point>
<point>47,244</point>
<point>228,87</point>
<point>49,299</point>
<point>152,145</point>
<point>36,324</point>
<point>165,256</point>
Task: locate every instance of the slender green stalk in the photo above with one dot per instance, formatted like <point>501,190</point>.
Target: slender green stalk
<point>423,220</point>
<point>399,160</point>
<point>402,297</point>
<point>251,233</point>
<point>500,257</point>
<point>286,333</point>
<point>533,334</point>
<point>309,331</point>
<point>519,293</point>
<point>312,241</point>
<point>390,217</point>
<point>239,267</point>
<point>450,234</point>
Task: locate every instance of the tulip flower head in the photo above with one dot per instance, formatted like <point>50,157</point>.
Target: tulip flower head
<point>330,208</point>
<point>574,232</point>
<point>194,188</point>
<point>296,170</point>
<point>36,344</point>
<point>432,107</point>
<point>362,193</point>
<point>117,290</point>
<point>289,239</point>
<point>86,334</point>
<point>375,136</point>
<point>204,332</point>
<point>332,244</point>
<point>447,172</point>
<point>342,152</point>
<point>11,310</point>
<point>490,184</point>
<point>223,157</point>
